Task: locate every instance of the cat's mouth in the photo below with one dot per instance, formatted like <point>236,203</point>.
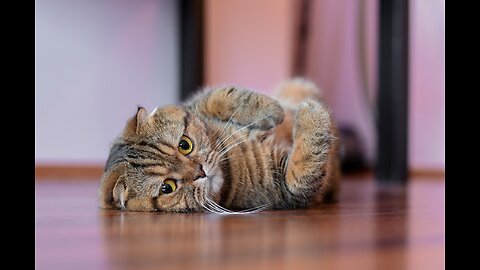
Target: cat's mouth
<point>200,174</point>
<point>207,173</point>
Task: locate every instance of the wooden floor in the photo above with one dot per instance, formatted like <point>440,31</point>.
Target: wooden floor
<point>372,227</point>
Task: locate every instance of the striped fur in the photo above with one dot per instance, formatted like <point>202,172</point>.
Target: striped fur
<point>257,153</point>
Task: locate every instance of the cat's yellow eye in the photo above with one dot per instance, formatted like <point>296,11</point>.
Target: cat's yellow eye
<point>185,146</point>
<point>168,186</point>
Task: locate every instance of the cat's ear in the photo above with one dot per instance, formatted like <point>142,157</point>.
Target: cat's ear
<point>119,193</point>
<point>109,191</point>
<point>133,124</point>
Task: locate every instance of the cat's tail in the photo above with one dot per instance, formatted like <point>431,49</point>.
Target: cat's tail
<point>292,92</point>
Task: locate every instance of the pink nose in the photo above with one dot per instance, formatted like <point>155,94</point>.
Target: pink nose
<point>201,173</point>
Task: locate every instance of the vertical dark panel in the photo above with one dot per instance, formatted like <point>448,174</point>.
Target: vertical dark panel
<point>392,126</point>
<point>191,21</point>
<point>302,36</point>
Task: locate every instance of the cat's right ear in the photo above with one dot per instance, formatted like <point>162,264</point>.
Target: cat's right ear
<point>133,124</point>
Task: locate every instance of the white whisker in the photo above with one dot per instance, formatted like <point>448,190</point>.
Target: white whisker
<point>241,137</point>
<point>225,126</point>
<point>230,148</point>
<point>238,130</point>
<point>216,208</point>
<point>238,137</point>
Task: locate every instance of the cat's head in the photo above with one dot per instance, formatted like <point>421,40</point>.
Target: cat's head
<point>162,161</point>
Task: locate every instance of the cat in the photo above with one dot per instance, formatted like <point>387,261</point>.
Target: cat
<point>226,150</point>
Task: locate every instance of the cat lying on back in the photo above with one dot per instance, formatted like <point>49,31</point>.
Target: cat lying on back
<point>226,149</point>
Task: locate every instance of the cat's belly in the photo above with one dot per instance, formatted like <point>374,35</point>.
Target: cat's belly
<point>251,175</point>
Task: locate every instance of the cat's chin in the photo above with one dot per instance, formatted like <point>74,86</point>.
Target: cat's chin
<point>213,180</point>
<point>215,183</point>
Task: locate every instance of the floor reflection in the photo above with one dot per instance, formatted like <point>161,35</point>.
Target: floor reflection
<point>146,240</point>
<point>370,228</point>
<point>391,226</point>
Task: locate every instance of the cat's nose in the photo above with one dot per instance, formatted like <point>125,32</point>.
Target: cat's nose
<point>200,174</point>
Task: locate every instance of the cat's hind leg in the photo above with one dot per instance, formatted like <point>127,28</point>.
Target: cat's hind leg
<point>307,168</point>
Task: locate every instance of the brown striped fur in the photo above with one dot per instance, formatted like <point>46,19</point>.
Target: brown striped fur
<point>257,153</point>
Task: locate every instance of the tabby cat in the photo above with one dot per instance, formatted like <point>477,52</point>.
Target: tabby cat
<point>226,150</point>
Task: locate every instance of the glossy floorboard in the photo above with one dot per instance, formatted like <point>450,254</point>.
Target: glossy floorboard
<point>372,227</point>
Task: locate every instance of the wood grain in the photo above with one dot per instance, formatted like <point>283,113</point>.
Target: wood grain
<point>372,227</point>
<point>68,172</point>
<point>94,172</point>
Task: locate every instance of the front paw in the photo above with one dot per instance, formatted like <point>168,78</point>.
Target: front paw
<point>262,135</point>
<point>271,116</point>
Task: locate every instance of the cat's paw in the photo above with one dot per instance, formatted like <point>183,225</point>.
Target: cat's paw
<point>271,115</point>
<point>312,116</point>
<point>262,135</point>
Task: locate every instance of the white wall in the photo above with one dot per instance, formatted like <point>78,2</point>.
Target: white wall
<point>94,62</point>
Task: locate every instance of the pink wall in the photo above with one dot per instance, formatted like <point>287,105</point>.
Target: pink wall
<point>427,84</point>
<point>249,42</point>
<point>334,63</point>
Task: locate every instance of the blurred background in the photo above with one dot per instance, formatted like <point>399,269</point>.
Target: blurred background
<point>95,61</point>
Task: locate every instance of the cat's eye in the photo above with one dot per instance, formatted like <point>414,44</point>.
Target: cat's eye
<point>168,186</point>
<point>185,146</point>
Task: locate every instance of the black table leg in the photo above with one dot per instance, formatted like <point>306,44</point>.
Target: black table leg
<point>392,125</point>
